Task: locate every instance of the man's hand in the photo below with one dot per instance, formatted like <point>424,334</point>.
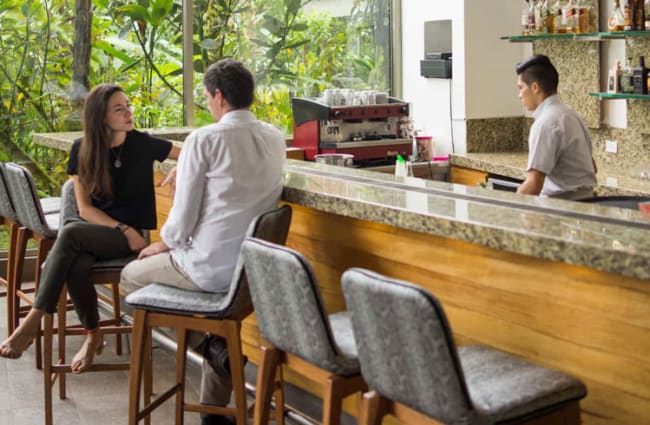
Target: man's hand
<point>153,249</point>
<point>170,179</point>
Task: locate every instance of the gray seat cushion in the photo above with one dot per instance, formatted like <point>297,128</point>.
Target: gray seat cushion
<point>51,205</point>
<point>343,335</point>
<point>167,299</point>
<point>504,387</point>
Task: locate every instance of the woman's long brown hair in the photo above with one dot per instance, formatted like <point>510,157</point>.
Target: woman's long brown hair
<point>94,152</point>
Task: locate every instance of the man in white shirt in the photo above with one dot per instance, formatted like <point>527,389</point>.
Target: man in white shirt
<point>228,172</point>
<point>560,161</point>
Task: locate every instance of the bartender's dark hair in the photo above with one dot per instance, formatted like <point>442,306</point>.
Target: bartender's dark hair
<point>234,81</point>
<point>538,68</point>
<point>94,151</point>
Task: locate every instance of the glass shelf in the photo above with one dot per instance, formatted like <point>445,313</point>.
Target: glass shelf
<point>621,96</point>
<point>592,36</point>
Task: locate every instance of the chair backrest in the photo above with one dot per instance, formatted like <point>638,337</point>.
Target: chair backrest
<point>406,350</point>
<point>25,198</point>
<point>69,211</point>
<point>288,305</point>
<point>7,209</point>
<point>272,226</point>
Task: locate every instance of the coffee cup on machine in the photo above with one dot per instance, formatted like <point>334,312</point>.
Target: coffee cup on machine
<point>328,97</point>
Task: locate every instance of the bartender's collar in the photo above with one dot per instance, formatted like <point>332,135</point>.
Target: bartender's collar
<point>547,101</point>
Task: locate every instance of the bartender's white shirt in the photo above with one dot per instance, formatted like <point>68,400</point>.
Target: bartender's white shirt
<point>228,173</point>
<point>560,147</point>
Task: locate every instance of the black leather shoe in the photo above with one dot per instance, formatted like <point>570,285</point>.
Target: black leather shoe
<point>208,419</point>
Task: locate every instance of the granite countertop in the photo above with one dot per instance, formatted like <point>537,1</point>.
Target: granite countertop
<point>608,239</point>
<point>611,181</point>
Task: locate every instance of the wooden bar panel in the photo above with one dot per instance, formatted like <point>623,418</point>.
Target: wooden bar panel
<point>591,324</point>
<point>467,176</point>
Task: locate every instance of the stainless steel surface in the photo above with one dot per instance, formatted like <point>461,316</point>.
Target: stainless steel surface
<point>341,159</point>
<point>369,143</point>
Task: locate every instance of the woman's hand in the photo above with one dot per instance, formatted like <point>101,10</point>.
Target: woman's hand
<point>170,179</point>
<point>135,239</point>
<point>153,249</point>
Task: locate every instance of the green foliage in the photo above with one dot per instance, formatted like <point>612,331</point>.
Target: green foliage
<point>139,45</point>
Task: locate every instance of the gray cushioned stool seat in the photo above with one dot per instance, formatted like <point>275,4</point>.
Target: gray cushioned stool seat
<point>159,297</point>
<point>512,388</point>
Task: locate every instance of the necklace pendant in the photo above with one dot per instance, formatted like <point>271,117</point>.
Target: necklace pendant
<point>117,163</point>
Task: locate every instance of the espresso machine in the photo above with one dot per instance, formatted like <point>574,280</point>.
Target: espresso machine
<point>370,132</point>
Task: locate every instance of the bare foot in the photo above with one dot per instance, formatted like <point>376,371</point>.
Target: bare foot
<point>83,360</point>
<point>14,346</point>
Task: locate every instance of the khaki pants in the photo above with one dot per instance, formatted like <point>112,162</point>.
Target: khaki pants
<point>161,268</point>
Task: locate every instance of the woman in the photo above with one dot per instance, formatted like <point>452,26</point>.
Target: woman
<point>112,170</point>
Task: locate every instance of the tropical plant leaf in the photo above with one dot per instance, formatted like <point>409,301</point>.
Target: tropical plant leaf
<point>135,12</point>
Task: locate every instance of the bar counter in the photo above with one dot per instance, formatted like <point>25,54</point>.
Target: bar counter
<point>562,284</point>
<point>611,180</point>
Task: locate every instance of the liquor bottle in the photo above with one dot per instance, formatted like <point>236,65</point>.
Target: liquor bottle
<point>626,83</point>
<point>628,12</point>
<point>556,18</point>
<point>584,8</point>
<point>646,10</point>
<point>617,20</point>
<point>640,77</point>
<point>639,15</point>
<point>524,18</point>
<point>570,17</point>
<point>541,17</point>
<point>531,17</point>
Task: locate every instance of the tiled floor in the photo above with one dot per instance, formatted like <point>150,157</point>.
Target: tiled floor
<point>93,398</point>
<point>102,397</point>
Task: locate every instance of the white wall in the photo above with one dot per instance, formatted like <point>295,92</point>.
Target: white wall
<point>484,81</point>
<point>429,98</point>
<point>490,78</point>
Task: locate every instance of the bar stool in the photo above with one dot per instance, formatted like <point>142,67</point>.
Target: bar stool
<point>216,313</point>
<point>300,334</point>
<point>9,217</point>
<point>102,273</point>
<point>409,359</point>
<point>35,224</point>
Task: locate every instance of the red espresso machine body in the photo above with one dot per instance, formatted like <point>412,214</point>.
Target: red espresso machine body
<point>372,133</point>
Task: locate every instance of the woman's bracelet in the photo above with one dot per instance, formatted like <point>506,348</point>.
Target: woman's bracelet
<point>122,227</point>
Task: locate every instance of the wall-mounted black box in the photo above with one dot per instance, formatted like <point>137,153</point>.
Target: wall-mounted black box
<point>435,68</point>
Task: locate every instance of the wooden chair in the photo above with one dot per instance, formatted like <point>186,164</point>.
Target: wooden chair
<point>300,335</point>
<point>409,359</point>
<point>219,314</point>
<point>34,224</point>
<point>9,218</point>
<point>102,273</point>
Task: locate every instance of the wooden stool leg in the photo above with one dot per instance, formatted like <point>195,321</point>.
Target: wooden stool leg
<point>236,358</point>
<point>15,285</point>
<point>266,373</point>
<point>47,368</point>
<point>374,407</point>
<point>278,394</point>
<point>117,317</point>
<point>135,374</point>
<point>181,362</point>
<point>61,310</point>
<point>148,370</point>
<point>44,247</point>
<point>332,401</point>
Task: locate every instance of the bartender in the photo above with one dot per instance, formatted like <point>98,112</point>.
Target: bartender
<point>560,161</point>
